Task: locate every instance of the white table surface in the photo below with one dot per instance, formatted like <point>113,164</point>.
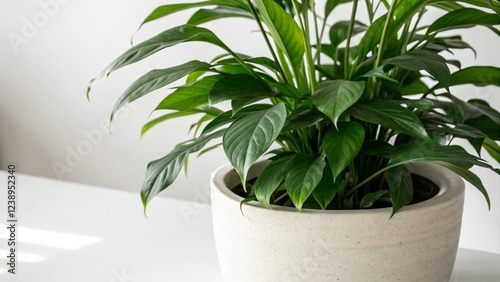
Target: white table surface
<point>73,232</point>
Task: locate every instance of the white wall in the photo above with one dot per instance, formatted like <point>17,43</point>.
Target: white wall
<point>48,54</point>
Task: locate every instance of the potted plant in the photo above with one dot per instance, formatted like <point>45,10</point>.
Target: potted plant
<point>358,108</point>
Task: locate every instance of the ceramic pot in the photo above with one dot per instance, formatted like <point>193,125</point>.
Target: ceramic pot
<point>419,243</point>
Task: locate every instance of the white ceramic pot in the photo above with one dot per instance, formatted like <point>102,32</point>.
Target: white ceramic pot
<point>418,244</point>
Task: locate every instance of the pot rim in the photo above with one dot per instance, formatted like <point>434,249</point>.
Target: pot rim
<point>450,186</point>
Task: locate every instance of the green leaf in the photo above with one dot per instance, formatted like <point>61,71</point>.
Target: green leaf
<point>271,178</point>
<point>470,177</point>
<point>303,116</point>
<point>369,199</point>
<point>154,80</point>
<point>463,18</point>
<point>341,146</point>
<point>418,151</point>
<point>251,135</point>
<point>238,86</point>
<point>327,188</point>
<point>485,125</point>
<point>207,15</point>
<point>303,177</point>
<point>339,31</point>
<point>333,97</point>
<point>287,90</point>
<point>284,30</point>
<point>429,61</point>
<point>168,38</point>
<point>228,117</point>
<point>380,73</point>
<point>492,148</point>
<point>165,10</point>
<point>478,75</point>
<point>391,116</point>
<point>161,173</point>
<point>400,187</point>
<point>378,148</point>
<point>189,96</point>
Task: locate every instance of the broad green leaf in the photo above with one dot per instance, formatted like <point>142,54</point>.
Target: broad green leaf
<point>477,75</point>
<point>418,151</point>
<point>238,86</point>
<point>400,187</point>
<point>228,117</point>
<point>251,135</point>
<point>284,30</point>
<point>369,199</point>
<point>415,87</point>
<point>333,97</point>
<point>378,148</point>
<point>327,188</point>
<point>461,130</point>
<point>189,96</point>
<point>380,73</point>
<point>165,10</point>
<point>341,146</point>
<point>161,173</point>
<point>495,6</point>
<point>339,31</point>
<point>168,38</point>
<point>303,116</point>
<point>287,90</point>
<point>470,177</point>
<point>271,178</point>
<point>391,116</point>
<point>463,18</point>
<point>206,15</point>
<point>492,148</point>
<point>485,125</point>
<point>446,43</point>
<point>154,80</point>
<point>429,61</point>
<point>303,177</point>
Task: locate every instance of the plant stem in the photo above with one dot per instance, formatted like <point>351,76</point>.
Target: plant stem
<point>383,40</point>
<point>347,70</point>
<point>271,49</point>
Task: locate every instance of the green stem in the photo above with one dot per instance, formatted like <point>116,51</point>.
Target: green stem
<point>370,178</point>
<point>271,49</point>
<point>383,40</point>
<point>347,70</point>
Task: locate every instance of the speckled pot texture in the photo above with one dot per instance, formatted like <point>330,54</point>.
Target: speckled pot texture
<point>418,244</point>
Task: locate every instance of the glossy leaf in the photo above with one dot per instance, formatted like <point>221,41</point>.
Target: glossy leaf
<point>284,30</point>
<point>154,80</point>
<point>207,15</point>
<point>380,73</point>
<point>271,178</point>
<point>161,173</point>
<point>400,187</point>
<point>492,148</point>
<point>477,75</point>
<point>238,86</point>
<point>189,96</point>
<point>463,18</point>
<point>327,188</point>
<point>165,10</point>
<point>333,97</point>
<point>341,146</point>
<point>250,136</point>
<point>429,61</point>
<point>228,117</point>
<point>303,177</point>
<point>390,116</point>
<point>369,199</point>
<point>168,38</point>
<point>166,117</point>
